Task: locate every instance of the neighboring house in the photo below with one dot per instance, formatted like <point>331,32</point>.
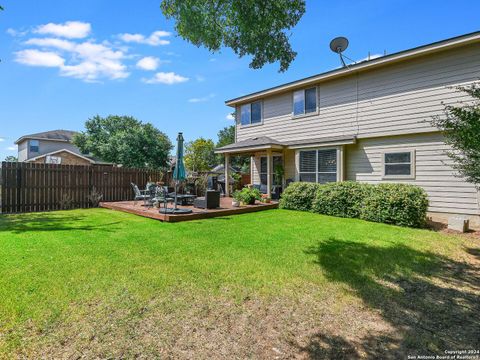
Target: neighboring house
<point>368,122</point>
<point>52,147</point>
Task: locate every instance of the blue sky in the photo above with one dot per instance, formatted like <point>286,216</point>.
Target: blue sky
<point>66,61</point>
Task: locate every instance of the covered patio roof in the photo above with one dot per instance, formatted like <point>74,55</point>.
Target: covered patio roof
<point>264,142</point>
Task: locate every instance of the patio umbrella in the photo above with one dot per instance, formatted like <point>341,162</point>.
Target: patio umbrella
<point>179,175</point>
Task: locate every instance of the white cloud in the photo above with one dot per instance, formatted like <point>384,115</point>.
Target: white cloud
<point>201,99</point>
<point>88,61</point>
<point>230,117</point>
<point>168,78</point>
<point>12,148</point>
<point>52,42</point>
<point>13,32</point>
<point>148,63</point>
<point>200,78</point>
<point>155,38</point>
<point>2,139</point>
<point>69,29</point>
<point>32,57</point>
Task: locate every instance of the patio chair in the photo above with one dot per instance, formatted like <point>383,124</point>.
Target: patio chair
<point>211,200</point>
<point>140,194</point>
<point>159,194</point>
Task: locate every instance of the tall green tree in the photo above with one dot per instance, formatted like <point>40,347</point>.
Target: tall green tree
<point>11,158</point>
<point>259,28</point>
<point>125,140</point>
<point>226,136</point>
<point>461,128</point>
<point>199,155</point>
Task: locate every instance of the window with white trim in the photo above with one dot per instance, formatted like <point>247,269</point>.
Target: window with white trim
<point>398,164</point>
<point>318,165</point>
<point>304,101</point>
<point>251,113</point>
<point>34,145</point>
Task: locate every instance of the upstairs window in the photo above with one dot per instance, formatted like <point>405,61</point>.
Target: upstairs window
<point>251,113</point>
<point>34,145</point>
<point>398,165</point>
<point>305,101</point>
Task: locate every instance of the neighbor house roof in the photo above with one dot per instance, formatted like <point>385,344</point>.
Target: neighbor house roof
<point>265,142</point>
<point>87,157</point>
<point>361,66</point>
<point>56,135</point>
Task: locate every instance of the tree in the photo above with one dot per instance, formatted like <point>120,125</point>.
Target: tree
<point>11,158</point>
<point>199,155</point>
<point>226,136</point>
<point>125,140</point>
<point>249,27</point>
<point>461,128</point>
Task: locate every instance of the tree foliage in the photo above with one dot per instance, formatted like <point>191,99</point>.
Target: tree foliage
<point>249,27</point>
<point>226,136</point>
<point>11,158</point>
<point>461,127</point>
<point>125,140</point>
<point>199,155</point>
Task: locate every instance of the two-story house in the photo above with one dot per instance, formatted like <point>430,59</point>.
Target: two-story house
<point>367,122</point>
<point>52,147</point>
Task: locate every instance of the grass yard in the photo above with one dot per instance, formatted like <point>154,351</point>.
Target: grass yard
<point>272,284</point>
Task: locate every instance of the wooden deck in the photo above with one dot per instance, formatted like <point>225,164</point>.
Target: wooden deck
<point>225,209</point>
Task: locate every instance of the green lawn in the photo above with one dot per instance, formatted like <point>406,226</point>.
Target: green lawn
<point>99,283</point>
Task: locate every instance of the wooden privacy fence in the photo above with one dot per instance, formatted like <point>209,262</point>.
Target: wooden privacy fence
<point>28,187</point>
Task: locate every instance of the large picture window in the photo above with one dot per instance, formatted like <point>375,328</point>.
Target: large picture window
<point>305,101</point>
<point>318,165</point>
<point>399,165</point>
<point>251,113</point>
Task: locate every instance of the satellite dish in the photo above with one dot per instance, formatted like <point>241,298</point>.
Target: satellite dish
<point>339,44</point>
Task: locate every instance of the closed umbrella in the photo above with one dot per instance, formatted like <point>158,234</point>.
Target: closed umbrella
<point>178,175</point>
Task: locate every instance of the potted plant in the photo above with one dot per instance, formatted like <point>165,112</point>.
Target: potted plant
<point>248,196</point>
<point>236,198</point>
<point>266,199</point>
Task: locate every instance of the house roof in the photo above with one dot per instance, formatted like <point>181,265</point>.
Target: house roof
<point>361,66</point>
<point>87,157</point>
<point>265,142</point>
<point>260,142</point>
<point>56,135</point>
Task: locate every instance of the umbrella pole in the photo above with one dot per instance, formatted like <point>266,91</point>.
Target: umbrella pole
<point>176,191</point>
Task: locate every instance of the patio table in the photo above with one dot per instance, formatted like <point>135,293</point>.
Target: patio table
<point>183,199</point>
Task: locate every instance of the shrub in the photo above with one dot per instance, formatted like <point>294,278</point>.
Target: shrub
<point>247,195</point>
<point>299,196</point>
<point>343,199</point>
<point>399,204</point>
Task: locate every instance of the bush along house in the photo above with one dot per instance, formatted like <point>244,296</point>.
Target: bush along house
<point>368,122</point>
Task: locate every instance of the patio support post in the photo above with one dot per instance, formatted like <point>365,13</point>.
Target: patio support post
<point>269,172</point>
<point>227,175</point>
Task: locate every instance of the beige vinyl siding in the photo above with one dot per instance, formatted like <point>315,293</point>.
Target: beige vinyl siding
<point>398,99</point>
<point>447,192</point>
